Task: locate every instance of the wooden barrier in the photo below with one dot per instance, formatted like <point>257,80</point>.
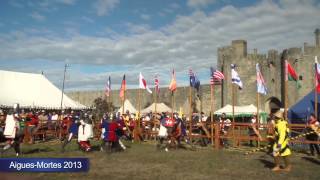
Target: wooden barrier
<point>240,133</point>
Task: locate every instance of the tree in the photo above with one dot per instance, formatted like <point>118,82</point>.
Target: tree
<point>101,106</point>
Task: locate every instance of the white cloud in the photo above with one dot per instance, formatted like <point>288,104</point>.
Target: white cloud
<point>169,10</point>
<point>199,3</point>
<point>190,41</point>
<point>38,17</point>
<point>68,2</point>
<point>87,19</point>
<point>103,7</point>
<point>145,16</point>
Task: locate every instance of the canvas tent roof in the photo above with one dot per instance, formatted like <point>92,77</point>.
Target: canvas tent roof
<point>32,90</point>
<point>299,112</point>
<point>239,111</point>
<point>161,107</point>
<point>127,106</point>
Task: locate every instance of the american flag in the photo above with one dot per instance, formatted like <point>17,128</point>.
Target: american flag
<point>108,87</point>
<point>156,84</point>
<point>216,75</point>
<point>211,80</point>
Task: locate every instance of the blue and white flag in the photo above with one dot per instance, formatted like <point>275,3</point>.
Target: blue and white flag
<point>261,84</point>
<point>194,81</point>
<point>108,87</point>
<point>235,78</point>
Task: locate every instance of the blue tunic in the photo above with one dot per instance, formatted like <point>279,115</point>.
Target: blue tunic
<point>74,127</point>
<point>105,126</point>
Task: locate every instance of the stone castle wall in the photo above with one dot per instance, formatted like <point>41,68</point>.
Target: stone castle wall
<point>272,68</point>
<point>181,97</point>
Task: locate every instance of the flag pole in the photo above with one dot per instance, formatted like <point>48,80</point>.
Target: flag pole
<point>155,100</point>
<point>211,114</point>
<point>316,103</point>
<point>315,89</point>
<point>172,102</point>
<point>139,106</point>
<point>124,98</point>
<point>110,94</point>
<point>190,113</point>
<point>258,107</point>
<point>233,103</point>
<point>285,91</point>
<point>258,115</point>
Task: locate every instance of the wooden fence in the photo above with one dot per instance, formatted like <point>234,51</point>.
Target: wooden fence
<point>237,133</point>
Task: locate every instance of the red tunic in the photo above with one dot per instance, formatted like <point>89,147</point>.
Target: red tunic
<point>34,120</point>
<point>112,136</point>
<point>169,122</point>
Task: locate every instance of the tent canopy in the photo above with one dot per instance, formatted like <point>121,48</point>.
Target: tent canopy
<point>127,106</point>
<point>161,107</point>
<point>241,111</point>
<point>299,112</point>
<point>32,90</point>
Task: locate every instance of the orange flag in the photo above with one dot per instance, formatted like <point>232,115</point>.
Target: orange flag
<point>123,87</point>
<point>173,83</point>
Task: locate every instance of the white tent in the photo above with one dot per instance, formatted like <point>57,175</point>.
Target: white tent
<point>238,110</point>
<point>161,107</point>
<point>127,106</point>
<point>32,90</point>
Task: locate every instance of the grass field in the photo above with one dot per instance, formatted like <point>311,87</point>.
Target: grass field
<point>144,161</point>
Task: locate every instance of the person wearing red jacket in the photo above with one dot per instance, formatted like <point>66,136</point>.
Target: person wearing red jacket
<point>112,137</point>
<point>32,125</point>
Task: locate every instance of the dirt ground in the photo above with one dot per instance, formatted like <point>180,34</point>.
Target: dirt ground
<point>144,161</point>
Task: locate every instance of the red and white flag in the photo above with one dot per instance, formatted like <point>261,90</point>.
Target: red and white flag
<point>317,74</point>
<point>108,87</point>
<point>261,84</point>
<point>156,84</point>
<point>143,83</point>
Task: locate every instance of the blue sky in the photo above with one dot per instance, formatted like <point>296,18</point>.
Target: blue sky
<point>99,38</point>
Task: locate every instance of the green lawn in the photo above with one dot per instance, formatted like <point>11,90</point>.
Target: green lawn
<point>144,161</point>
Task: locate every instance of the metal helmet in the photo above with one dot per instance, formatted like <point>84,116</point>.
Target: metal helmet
<point>16,108</point>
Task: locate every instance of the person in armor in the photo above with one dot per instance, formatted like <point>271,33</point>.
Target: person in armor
<point>166,130</point>
<point>121,131</point>
<point>85,132</point>
<point>179,130</point>
<point>73,123</point>
<point>104,125</point>
<point>32,124</point>
<point>2,125</point>
<point>281,144</point>
<point>14,131</point>
<point>225,124</point>
<point>65,124</point>
<point>109,131</point>
<point>313,126</point>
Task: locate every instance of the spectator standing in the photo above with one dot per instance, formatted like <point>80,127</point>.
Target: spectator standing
<point>313,127</point>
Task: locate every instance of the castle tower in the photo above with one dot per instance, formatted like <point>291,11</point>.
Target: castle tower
<point>317,36</point>
<point>240,48</point>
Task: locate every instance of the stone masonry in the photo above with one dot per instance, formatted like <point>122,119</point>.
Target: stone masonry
<point>272,68</point>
